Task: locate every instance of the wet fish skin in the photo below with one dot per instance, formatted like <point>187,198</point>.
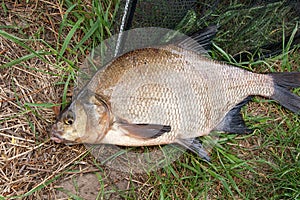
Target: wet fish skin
<point>166,87</point>
<point>208,113</point>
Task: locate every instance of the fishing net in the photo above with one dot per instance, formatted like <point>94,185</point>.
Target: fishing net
<point>147,13</point>
<point>256,29</point>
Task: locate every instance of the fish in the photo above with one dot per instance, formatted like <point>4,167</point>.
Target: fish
<point>167,94</point>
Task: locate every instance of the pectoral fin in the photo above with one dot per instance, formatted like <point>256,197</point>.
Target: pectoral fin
<point>144,131</point>
<point>195,146</point>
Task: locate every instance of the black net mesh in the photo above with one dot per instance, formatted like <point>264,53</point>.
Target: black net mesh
<point>244,24</point>
<point>157,13</point>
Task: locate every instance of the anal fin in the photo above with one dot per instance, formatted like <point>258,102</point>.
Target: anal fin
<point>233,121</point>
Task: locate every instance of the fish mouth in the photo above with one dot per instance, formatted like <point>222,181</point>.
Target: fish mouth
<point>56,139</point>
<point>56,135</point>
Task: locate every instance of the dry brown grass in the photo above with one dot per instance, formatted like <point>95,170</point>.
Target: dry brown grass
<point>29,160</point>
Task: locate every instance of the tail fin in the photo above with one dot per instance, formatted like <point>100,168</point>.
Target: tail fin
<point>282,83</point>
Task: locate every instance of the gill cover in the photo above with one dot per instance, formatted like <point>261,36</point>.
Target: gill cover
<point>97,117</point>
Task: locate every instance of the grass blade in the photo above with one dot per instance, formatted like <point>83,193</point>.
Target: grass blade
<point>87,36</point>
<point>23,58</point>
<point>69,37</point>
<point>18,41</point>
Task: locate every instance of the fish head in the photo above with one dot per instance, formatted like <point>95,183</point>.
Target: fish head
<point>70,124</point>
<point>84,121</point>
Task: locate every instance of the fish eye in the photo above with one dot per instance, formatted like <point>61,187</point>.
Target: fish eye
<point>69,120</point>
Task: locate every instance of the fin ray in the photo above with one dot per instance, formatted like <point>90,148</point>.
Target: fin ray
<point>283,82</point>
<point>200,41</point>
<point>233,121</point>
<point>195,146</point>
<point>144,131</point>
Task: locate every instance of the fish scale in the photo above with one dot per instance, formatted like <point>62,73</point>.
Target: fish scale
<point>193,122</point>
<point>188,117</point>
<point>168,94</point>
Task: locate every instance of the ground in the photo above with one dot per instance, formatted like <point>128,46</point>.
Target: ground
<point>39,56</point>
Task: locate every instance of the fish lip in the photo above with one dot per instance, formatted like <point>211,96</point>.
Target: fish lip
<point>56,135</point>
<point>56,139</point>
<point>59,140</point>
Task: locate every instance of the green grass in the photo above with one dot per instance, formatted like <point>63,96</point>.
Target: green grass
<point>262,165</point>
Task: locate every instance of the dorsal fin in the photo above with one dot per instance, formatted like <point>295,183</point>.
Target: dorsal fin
<point>200,41</point>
